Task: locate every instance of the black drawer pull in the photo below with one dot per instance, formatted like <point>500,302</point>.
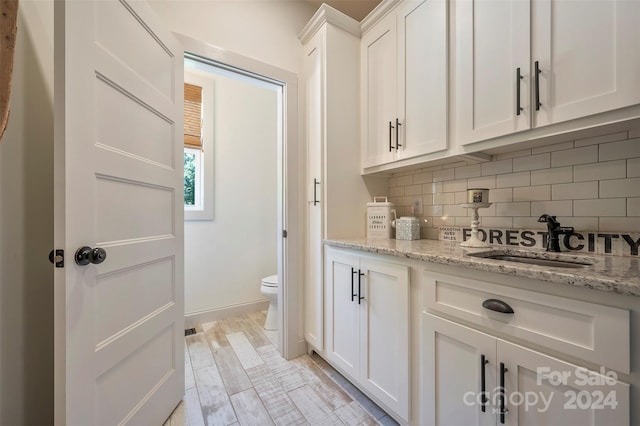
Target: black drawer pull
<point>497,306</point>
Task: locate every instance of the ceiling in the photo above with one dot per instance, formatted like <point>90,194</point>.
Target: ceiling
<point>357,9</point>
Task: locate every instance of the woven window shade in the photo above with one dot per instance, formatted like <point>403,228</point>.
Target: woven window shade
<point>192,116</point>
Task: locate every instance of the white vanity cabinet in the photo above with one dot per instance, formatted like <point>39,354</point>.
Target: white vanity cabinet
<point>404,83</point>
<point>336,193</point>
<point>469,350</point>
<point>526,64</point>
<point>367,325</point>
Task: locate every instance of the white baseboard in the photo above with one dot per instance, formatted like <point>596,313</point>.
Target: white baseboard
<point>199,317</point>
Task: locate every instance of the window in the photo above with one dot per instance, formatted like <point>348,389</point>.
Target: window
<point>198,146</point>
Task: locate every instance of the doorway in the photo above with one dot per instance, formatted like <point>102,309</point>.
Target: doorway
<point>284,85</point>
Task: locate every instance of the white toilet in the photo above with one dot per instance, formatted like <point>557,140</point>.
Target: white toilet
<point>269,289</point>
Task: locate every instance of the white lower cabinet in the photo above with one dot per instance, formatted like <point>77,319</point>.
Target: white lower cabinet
<point>367,325</point>
<point>472,377</point>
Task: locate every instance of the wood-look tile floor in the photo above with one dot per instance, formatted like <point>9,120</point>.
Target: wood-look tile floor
<point>234,375</point>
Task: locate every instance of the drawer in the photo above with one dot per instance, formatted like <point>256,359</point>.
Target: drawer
<point>596,333</point>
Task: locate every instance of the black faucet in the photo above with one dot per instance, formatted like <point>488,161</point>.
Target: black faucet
<point>554,229</point>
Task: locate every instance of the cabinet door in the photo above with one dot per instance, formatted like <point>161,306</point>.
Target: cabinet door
<point>384,332</point>
<point>451,375</point>
<point>378,71</point>
<point>313,295</point>
<point>588,56</point>
<point>544,390</point>
<point>492,42</point>
<point>422,76</point>
<point>342,311</point>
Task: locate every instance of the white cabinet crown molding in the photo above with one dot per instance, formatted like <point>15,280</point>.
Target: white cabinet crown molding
<point>328,14</point>
<point>377,14</point>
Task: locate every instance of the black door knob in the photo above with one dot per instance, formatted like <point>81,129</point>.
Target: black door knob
<point>86,255</point>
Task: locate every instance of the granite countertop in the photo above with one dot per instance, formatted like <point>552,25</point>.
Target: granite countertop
<point>617,274</point>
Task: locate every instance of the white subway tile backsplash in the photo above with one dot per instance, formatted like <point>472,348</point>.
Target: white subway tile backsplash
<point>443,175</point>
<point>601,139</point>
<point>556,175</point>
<point>633,207</point>
<point>496,222</point>
<point>552,148</point>
<point>532,193</point>
<point>454,185</point>
<point>600,171</point>
<point>513,180</point>
<point>467,171</point>
<point>620,188</point>
<point>609,224</point>
<point>426,177</point>
<point>482,182</point>
<point>497,167</point>
<point>501,195</point>
<point>620,150</point>
<point>554,208</point>
<point>592,184</point>
<point>602,207</point>
<point>513,209</point>
<point>533,162</point>
<point>633,167</point>
<point>574,191</point>
<point>584,155</point>
<point>444,198</point>
<point>413,190</point>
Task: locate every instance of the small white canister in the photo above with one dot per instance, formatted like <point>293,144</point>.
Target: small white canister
<point>379,217</point>
<point>407,228</point>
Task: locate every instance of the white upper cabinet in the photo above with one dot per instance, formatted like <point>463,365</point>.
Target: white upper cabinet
<point>524,64</point>
<point>404,83</point>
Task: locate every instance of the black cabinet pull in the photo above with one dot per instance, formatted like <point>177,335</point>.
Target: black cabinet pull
<point>537,72</point>
<point>360,297</point>
<point>483,384</point>
<point>518,78</point>
<point>503,409</point>
<point>316,182</point>
<point>390,132</point>
<point>397,132</point>
<point>353,272</point>
<point>497,306</point>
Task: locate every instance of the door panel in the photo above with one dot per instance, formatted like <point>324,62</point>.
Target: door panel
<point>119,325</point>
<point>589,57</point>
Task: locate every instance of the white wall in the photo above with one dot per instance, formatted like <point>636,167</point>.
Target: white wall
<point>226,258</point>
<point>265,30</point>
<point>26,226</point>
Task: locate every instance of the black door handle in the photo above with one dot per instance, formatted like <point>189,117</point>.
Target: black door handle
<point>483,384</point>
<point>316,182</point>
<point>86,255</point>
<point>360,297</point>
<point>497,306</point>
<point>518,78</point>
<point>537,72</point>
<point>503,409</point>
<point>353,272</point>
<point>390,132</point>
<point>397,131</point>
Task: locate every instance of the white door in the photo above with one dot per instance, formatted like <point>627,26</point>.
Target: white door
<point>557,392</point>
<point>492,44</point>
<point>588,57</point>
<point>379,79</point>
<point>452,380</point>
<point>342,311</point>
<point>384,333</point>
<point>119,329</point>
<point>315,133</point>
<point>422,77</point>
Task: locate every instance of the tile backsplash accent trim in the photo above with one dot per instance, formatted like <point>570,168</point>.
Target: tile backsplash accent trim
<point>591,184</point>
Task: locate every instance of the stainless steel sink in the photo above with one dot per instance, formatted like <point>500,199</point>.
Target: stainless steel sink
<point>536,258</point>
